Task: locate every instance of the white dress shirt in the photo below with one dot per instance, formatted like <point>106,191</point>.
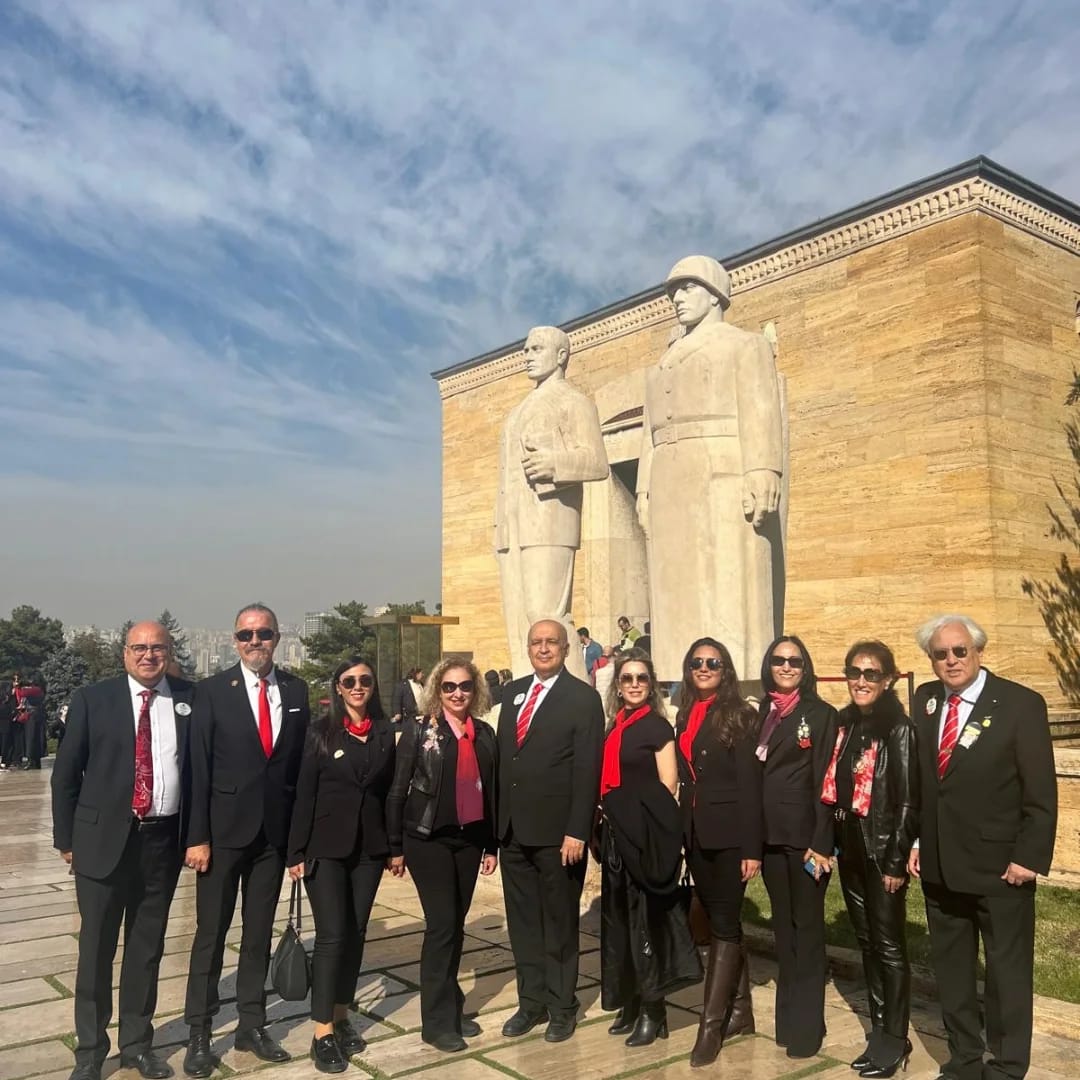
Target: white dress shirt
<point>547,684</point>
<point>165,800</point>
<point>967,703</point>
<point>273,694</point>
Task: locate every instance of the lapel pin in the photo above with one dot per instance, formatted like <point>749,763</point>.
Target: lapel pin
<point>931,706</point>
<point>339,753</point>
<point>182,708</point>
<point>519,699</point>
<point>235,682</point>
<point>986,721</point>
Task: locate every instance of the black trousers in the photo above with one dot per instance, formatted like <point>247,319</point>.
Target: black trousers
<point>719,886</point>
<point>798,918</point>
<point>257,870</point>
<point>879,921</point>
<point>5,741</point>
<point>136,894</point>
<point>543,900</point>
<point>444,869</point>
<point>342,892</point>
<point>35,738</point>
<point>1007,926</point>
<point>18,743</point>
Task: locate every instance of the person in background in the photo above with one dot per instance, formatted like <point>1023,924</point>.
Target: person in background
<point>494,687</point>
<point>338,845</point>
<point>629,633</point>
<point>441,821</point>
<point>505,676</point>
<point>873,784</point>
<point>987,825</point>
<point>30,714</point>
<point>645,641</point>
<point>407,694</point>
<point>7,721</point>
<point>795,745</point>
<point>591,651</point>
<point>604,672</point>
<point>723,826</point>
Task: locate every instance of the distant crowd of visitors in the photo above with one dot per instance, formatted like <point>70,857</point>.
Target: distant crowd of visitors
<point>23,735</point>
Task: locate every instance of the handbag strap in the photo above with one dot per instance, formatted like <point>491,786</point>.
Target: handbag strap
<point>295,906</point>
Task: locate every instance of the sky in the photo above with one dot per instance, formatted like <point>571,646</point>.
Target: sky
<point>236,239</point>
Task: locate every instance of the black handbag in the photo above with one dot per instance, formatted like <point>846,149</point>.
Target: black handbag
<point>290,968</point>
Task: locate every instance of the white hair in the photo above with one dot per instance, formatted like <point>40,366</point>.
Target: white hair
<point>939,622</point>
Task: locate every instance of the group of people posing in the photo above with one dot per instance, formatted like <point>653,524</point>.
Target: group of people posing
<point>233,779</point>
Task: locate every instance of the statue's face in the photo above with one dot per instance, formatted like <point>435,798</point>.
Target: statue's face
<point>541,356</point>
<point>692,302</point>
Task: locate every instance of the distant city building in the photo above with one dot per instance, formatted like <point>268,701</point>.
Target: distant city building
<point>315,622</point>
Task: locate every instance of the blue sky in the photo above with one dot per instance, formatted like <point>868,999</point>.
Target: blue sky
<point>236,238</point>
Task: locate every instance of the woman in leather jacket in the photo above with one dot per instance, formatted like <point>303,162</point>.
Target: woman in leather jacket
<point>441,823</point>
<point>872,782</point>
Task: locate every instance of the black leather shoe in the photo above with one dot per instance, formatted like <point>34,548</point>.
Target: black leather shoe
<point>199,1061</point>
<point>522,1022</point>
<point>625,1019</point>
<point>448,1042</point>
<point>150,1066</point>
<point>559,1030</point>
<point>257,1041</point>
<point>327,1055</point>
<point>890,1068</point>
<point>348,1038</point>
<point>651,1025</point>
<point>86,1071</point>
<point>863,1061</point>
<point>470,1028</point>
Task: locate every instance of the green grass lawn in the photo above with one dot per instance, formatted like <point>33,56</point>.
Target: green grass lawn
<point>1057,932</point>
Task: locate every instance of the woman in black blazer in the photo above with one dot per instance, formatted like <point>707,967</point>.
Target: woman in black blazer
<point>873,783</point>
<point>716,735</point>
<point>441,820</point>
<point>795,744</point>
<point>338,844</point>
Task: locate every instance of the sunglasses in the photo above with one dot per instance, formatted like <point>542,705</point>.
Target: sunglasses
<point>633,678</point>
<point>959,651</point>
<point>350,682</point>
<point>796,662</point>
<point>264,633</point>
<point>466,686</point>
<point>871,675</point>
<point>713,663</point>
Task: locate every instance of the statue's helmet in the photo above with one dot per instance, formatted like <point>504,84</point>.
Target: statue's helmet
<point>706,271</point>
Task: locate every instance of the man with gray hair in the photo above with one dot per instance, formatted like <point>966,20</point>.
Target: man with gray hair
<point>987,825</point>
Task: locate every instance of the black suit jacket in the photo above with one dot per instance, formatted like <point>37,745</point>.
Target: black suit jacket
<point>722,808</point>
<point>93,779</point>
<point>550,787</point>
<point>236,789</point>
<point>795,816</point>
<point>997,802</point>
<point>335,806</point>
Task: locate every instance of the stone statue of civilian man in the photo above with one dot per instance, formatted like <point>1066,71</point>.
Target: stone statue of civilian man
<point>551,444</point>
<point>709,480</point>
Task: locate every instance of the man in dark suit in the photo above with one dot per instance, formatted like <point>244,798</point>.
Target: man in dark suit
<point>120,791</point>
<point>551,736</point>
<point>989,814</point>
<point>248,735</point>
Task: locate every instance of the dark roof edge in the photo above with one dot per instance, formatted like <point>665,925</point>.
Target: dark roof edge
<point>982,167</point>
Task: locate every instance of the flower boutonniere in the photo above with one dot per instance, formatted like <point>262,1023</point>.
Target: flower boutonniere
<point>802,733</point>
<point>431,737</point>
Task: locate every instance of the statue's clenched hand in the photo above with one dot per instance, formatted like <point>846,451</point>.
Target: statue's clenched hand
<point>539,463</point>
<point>761,495</point>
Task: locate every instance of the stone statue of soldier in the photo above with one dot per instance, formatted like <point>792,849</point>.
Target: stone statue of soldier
<point>709,480</point>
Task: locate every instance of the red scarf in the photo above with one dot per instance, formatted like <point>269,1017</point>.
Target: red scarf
<point>469,791</point>
<point>862,774</point>
<point>782,705</point>
<point>611,776</point>
<point>693,726</point>
<point>359,730</point>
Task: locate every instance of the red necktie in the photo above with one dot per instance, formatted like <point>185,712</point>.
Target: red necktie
<point>266,732</point>
<point>948,736</point>
<point>142,797</point>
<point>526,714</point>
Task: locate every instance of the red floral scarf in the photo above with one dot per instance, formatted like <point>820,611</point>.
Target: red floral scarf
<point>862,773</point>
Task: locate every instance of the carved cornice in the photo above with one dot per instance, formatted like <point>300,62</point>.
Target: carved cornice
<point>962,196</point>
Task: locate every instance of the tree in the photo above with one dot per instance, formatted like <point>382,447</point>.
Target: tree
<point>118,646</point>
<point>179,643</point>
<point>1059,597</point>
<point>63,672</point>
<point>27,638</point>
<point>342,635</point>
<point>414,607</point>
<point>97,653</point>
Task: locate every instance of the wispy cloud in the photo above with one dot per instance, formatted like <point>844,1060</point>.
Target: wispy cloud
<point>235,239</point>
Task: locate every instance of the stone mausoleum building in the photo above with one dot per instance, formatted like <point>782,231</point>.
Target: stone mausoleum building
<point>927,339</point>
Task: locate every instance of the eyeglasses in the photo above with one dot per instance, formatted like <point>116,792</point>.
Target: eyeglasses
<point>350,682</point>
<point>634,678</point>
<point>264,633</point>
<point>871,675</point>
<point>713,663</point>
<point>466,686</point>
<point>959,651</point>
<point>153,650</point>
<point>796,662</point>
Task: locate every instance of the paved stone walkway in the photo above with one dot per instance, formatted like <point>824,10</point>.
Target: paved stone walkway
<point>39,924</point>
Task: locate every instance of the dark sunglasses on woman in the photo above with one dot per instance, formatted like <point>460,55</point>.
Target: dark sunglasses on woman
<point>466,686</point>
<point>713,663</point>
<point>871,675</point>
<point>796,662</point>
<point>351,681</point>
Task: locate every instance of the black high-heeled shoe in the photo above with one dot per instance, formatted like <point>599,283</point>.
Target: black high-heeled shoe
<point>651,1025</point>
<point>863,1061</point>
<point>625,1018</point>
<point>885,1071</point>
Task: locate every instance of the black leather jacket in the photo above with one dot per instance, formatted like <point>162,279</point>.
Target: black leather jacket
<point>892,824</point>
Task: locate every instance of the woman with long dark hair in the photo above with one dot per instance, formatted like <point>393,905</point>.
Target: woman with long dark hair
<point>338,844</point>
<point>646,951</point>
<point>441,818</point>
<point>795,744</point>
<point>872,783</point>
<point>716,731</point>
